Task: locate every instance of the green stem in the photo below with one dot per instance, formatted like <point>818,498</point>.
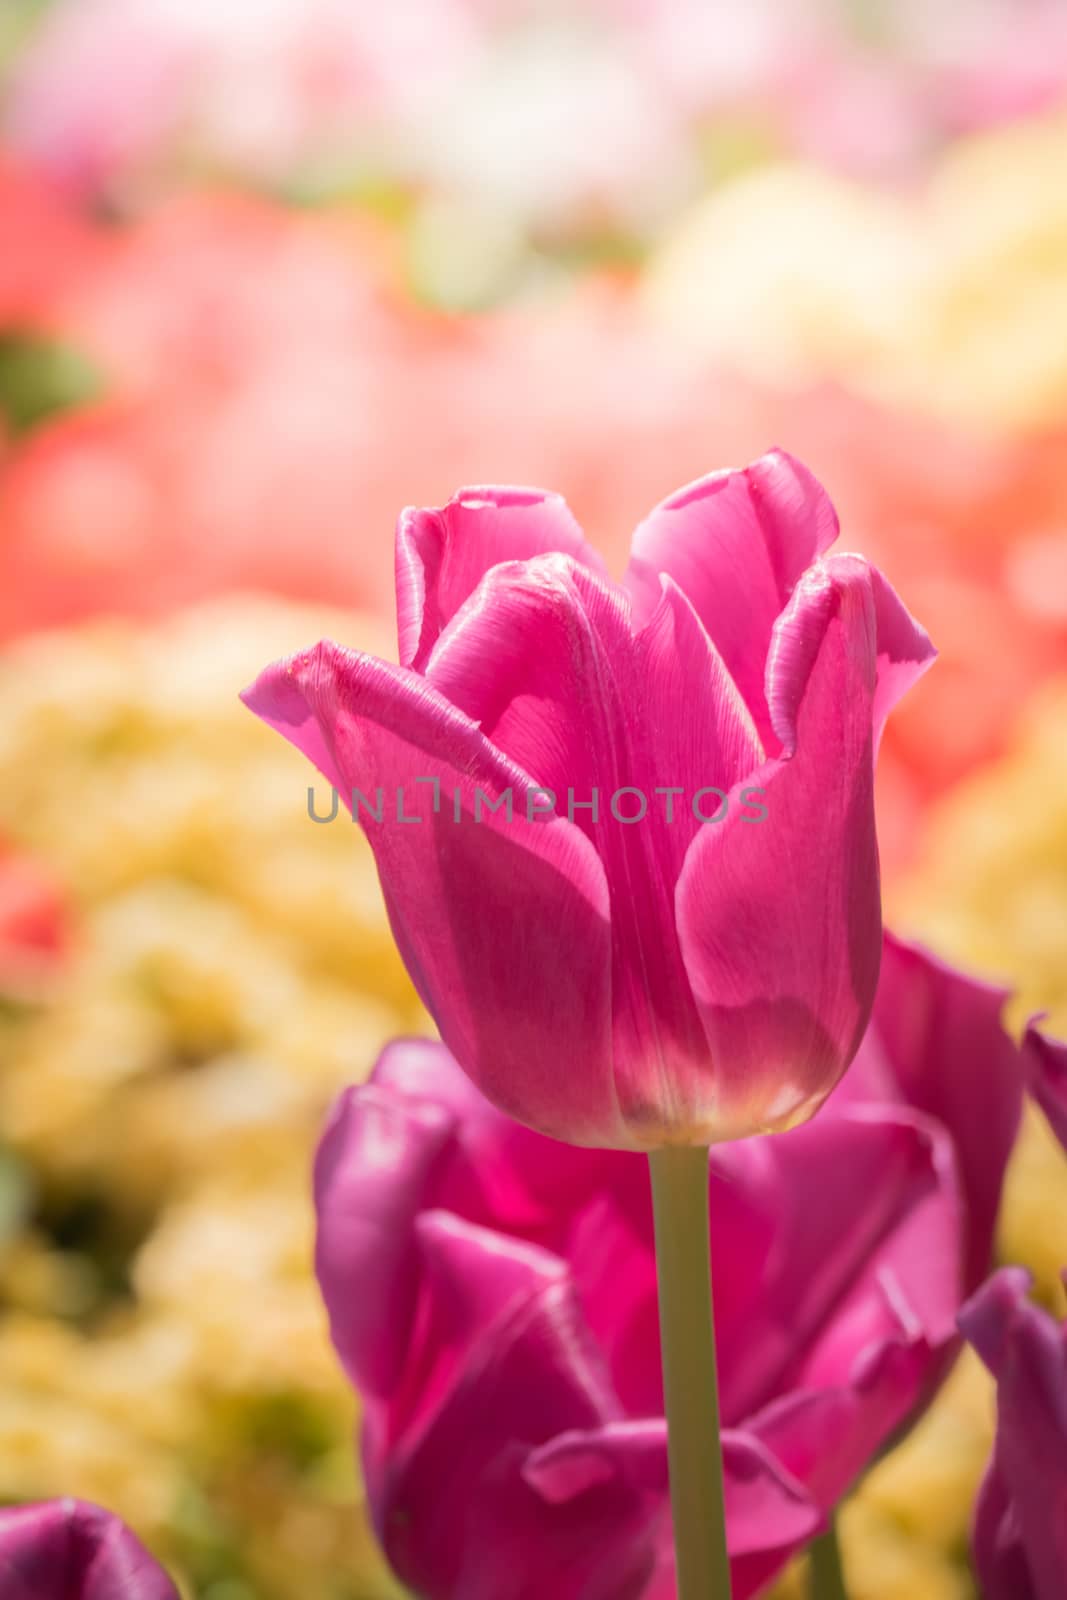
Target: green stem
<point>690,1383</point>
<point>826,1577</point>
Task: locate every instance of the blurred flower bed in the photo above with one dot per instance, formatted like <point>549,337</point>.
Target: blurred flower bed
<point>279,270</point>
<point>228,970</point>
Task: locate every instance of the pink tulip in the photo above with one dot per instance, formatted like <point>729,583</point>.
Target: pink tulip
<point>1020,1530</point>
<point>670,968</point>
<point>70,1550</point>
<point>492,1295</point>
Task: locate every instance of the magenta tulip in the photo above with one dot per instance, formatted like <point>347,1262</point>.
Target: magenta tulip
<point>1020,1529</point>
<point>625,832</point>
<point>70,1550</point>
<point>492,1295</point>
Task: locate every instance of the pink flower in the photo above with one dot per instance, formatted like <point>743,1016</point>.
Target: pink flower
<point>641,966</point>
<point>492,1295</point>
<point>1020,1529</point>
<point>70,1550</point>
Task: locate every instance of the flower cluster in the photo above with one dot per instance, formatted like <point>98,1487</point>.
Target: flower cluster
<point>707,985</point>
<point>832,1339</point>
<point>534,110</point>
<point>269,269</point>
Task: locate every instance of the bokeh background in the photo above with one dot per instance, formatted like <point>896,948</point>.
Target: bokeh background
<point>271,270</point>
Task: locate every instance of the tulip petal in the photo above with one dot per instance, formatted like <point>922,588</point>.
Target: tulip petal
<point>999,1557</point>
<point>879,1233</point>
<point>506,1311</point>
<point>595,1545</point>
<point>1047,1061</point>
<point>938,1044</point>
<point>1026,1351</point>
<point>780,922</point>
<point>768,1514</point>
<point>901,648</point>
<point>543,659</point>
<point>373,1172</point>
<point>503,923</point>
<point>698,730</point>
<point>531,659</point>
<point>420,1136</point>
<point>503,1173</point>
<point>905,650</point>
<point>876,1326</point>
<point>610,1251</point>
<point>827,1437</point>
<point>747,532</point>
<point>443,554</point>
<point>71,1550</point>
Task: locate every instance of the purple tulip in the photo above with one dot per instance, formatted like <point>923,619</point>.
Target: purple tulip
<point>1048,1080</point>
<point>669,928</point>
<point>70,1550</point>
<point>1020,1529</point>
<point>492,1295</point>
